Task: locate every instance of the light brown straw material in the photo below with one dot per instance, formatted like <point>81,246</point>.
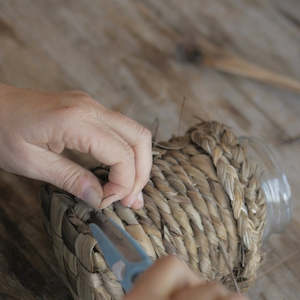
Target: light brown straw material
<point>203,203</point>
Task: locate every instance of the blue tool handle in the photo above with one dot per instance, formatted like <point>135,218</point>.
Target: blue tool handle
<point>133,270</point>
<point>126,271</point>
<point>110,252</point>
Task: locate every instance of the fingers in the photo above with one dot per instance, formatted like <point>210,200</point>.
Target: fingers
<point>112,139</point>
<point>207,291</point>
<point>135,137</point>
<point>41,164</point>
<point>105,146</point>
<point>139,138</point>
<point>170,278</point>
<point>162,279</point>
<point>109,148</point>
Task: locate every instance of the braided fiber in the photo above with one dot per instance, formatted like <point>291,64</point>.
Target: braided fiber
<point>203,203</point>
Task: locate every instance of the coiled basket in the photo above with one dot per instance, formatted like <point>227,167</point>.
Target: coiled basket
<point>203,203</point>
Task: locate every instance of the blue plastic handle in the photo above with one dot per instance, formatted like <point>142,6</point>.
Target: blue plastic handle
<point>125,271</point>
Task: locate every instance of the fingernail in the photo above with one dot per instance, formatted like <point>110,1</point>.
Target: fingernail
<point>141,199</point>
<point>92,197</point>
<point>131,199</point>
<point>109,200</point>
<point>138,201</point>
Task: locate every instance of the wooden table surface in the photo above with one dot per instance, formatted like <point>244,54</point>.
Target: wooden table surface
<point>125,54</point>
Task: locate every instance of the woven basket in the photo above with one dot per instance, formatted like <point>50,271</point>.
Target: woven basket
<point>203,203</point>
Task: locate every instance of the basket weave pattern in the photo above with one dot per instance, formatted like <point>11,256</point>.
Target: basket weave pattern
<point>203,203</point>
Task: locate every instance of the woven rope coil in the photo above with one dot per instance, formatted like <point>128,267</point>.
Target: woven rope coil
<point>203,203</point>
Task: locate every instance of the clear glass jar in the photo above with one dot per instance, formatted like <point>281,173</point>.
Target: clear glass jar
<point>274,183</point>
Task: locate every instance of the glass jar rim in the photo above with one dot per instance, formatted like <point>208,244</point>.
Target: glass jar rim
<point>274,184</point>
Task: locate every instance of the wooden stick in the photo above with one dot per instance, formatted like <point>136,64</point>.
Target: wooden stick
<point>211,55</point>
<point>238,66</point>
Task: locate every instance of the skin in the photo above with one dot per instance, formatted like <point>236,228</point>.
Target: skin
<point>35,128</point>
<point>171,279</point>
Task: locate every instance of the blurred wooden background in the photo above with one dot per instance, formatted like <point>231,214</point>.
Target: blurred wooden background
<point>125,54</point>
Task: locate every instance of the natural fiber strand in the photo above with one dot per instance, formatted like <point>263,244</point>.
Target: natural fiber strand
<point>203,203</point>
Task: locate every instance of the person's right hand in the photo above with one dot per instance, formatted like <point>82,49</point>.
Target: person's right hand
<point>171,279</point>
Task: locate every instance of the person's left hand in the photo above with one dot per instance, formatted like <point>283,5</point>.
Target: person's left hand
<point>35,127</point>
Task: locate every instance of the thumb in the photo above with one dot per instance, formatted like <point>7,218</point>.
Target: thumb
<point>65,174</point>
<point>162,279</point>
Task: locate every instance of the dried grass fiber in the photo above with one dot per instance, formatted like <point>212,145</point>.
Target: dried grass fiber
<point>203,203</point>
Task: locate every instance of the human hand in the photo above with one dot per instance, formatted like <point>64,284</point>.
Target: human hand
<point>35,127</point>
<point>171,279</point>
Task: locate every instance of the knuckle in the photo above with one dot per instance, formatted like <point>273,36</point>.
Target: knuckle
<point>173,261</point>
<point>143,133</point>
<point>78,95</point>
<point>70,181</point>
<point>128,153</point>
<point>115,115</point>
<point>67,114</point>
<point>75,111</point>
<point>77,100</point>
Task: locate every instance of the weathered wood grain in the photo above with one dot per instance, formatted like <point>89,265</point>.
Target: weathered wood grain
<point>126,54</point>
